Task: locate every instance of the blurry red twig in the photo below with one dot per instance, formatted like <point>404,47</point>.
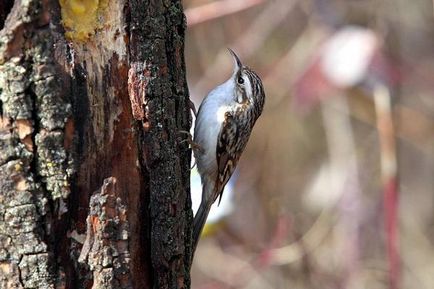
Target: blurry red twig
<point>389,172</point>
<point>217,9</point>
<point>281,231</point>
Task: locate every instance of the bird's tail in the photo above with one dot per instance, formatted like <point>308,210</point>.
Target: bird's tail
<point>199,223</point>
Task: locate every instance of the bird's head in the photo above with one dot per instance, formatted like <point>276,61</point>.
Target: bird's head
<point>248,87</point>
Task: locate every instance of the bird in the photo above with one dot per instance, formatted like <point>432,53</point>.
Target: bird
<point>223,125</point>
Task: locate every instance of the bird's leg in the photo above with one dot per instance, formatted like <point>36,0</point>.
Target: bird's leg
<point>194,145</point>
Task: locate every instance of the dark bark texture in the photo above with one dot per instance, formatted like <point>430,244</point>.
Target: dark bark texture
<point>94,178</point>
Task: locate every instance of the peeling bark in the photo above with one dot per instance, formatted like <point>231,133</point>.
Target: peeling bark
<point>93,112</point>
<point>105,249</point>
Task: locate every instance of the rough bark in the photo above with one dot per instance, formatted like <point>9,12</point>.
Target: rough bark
<point>94,181</point>
<point>105,249</point>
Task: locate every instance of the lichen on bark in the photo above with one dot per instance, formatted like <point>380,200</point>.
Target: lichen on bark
<point>34,168</point>
<point>31,90</point>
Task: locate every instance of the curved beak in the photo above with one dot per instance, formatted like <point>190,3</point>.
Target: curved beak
<point>237,62</point>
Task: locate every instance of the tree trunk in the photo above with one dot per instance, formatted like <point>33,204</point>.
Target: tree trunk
<point>94,178</point>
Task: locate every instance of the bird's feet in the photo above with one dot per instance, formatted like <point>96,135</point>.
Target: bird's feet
<point>194,145</point>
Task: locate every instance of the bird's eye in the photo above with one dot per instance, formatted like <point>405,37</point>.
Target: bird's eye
<point>240,80</point>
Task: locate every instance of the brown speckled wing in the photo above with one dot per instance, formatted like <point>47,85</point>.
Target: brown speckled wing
<point>227,153</point>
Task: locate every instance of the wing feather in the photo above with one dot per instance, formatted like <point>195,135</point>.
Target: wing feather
<point>230,144</point>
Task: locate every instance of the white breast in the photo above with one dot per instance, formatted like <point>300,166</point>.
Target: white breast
<point>208,125</point>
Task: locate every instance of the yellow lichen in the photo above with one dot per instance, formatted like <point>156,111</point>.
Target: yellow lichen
<point>81,18</point>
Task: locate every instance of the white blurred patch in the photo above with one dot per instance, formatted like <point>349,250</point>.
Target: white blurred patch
<point>347,55</point>
<point>326,188</point>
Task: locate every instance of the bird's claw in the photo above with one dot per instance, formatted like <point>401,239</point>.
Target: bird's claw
<point>192,167</point>
<point>192,107</point>
<point>194,145</point>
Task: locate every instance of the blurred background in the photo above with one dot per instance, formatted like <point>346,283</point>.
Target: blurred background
<point>336,186</point>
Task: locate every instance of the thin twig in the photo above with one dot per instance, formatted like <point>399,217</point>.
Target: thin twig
<point>389,172</point>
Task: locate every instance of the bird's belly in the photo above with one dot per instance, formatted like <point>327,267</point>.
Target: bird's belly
<point>206,132</point>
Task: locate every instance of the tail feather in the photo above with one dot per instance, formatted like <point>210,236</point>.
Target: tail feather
<point>199,223</point>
